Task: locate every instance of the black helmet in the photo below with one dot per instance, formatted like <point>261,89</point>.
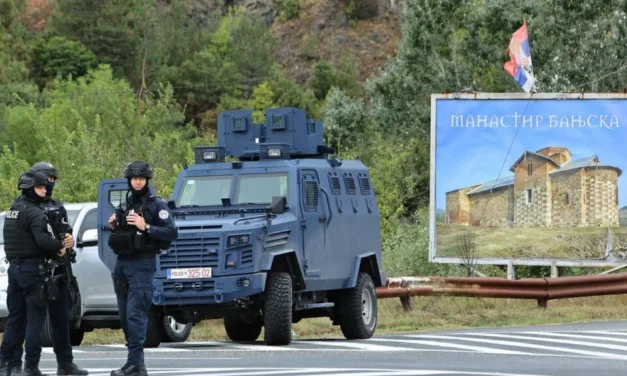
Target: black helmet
<point>31,179</point>
<point>138,169</point>
<point>46,168</point>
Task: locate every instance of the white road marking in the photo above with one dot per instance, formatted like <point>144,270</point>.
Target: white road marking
<point>356,345</point>
<point>455,346</point>
<point>608,332</point>
<point>521,344</point>
<point>593,337</point>
<point>555,340</point>
<point>299,371</point>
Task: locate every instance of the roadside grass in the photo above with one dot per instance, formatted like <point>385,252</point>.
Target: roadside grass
<point>565,242</point>
<point>432,313</point>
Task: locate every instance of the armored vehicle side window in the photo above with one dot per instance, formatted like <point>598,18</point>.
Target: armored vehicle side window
<point>116,197</point>
<point>311,195</point>
<point>204,190</point>
<point>260,188</point>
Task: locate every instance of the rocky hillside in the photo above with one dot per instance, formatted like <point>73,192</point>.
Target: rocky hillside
<point>325,29</point>
<point>306,31</point>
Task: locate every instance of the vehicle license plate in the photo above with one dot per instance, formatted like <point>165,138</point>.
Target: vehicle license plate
<point>185,273</point>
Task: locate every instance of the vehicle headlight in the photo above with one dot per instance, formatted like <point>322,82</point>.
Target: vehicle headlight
<point>237,240</point>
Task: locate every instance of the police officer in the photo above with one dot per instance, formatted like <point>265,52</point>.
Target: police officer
<point>29,243</point>
<point>60,308</point>
<point>149,228</point>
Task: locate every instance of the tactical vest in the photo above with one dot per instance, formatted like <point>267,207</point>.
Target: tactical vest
<point>19,241</point>
<point>127,240</point>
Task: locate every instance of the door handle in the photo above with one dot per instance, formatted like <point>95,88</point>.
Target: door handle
<point>326,195</point>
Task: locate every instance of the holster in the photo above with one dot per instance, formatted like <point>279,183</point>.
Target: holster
<point>52,289</point>
<point>120,286</point>
<point>37,295</point>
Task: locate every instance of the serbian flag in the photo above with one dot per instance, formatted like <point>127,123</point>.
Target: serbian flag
<point>519,66</point>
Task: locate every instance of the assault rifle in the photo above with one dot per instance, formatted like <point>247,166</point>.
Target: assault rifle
<point>61,228</point>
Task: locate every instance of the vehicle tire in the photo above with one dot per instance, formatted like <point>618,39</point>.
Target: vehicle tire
<point>243,329</point>
<point>76,337</point>
<point>357,309</point>
<point>154,332</point>
<point>278,309</point>
<point>175,332</point>
<point>46,335</point>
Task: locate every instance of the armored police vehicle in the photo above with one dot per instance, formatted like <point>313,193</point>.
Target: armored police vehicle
<point>271,231</point>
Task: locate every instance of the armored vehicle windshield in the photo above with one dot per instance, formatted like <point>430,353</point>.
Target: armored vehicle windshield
<point>239,189</point>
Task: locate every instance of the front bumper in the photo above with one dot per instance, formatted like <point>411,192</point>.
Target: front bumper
<point>199,291</point>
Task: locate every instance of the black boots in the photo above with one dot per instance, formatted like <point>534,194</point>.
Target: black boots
<point>131,370</point>
<point>10,371</point>
<point>31,371</point>
<point>71,369</point>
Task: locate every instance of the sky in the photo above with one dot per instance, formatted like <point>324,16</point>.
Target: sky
<point>468,155</point>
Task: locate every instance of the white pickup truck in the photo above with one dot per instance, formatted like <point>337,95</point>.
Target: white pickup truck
<point>98,302</point>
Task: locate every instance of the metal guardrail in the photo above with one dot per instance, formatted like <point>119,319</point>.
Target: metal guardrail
<point>540,289</point>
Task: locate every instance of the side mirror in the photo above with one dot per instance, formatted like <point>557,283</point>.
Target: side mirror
<point>89,238</point>
<point>278,205</point>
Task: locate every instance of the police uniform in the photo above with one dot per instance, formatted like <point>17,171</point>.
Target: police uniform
<point>29,242</point>
<point>60,308</point>
<point>136,263</point>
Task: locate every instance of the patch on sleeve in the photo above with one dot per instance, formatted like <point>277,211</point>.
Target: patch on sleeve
<point>163,214</point>
<point>12,214</point>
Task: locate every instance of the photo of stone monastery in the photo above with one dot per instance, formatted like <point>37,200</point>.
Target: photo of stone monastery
<point>547,189</point>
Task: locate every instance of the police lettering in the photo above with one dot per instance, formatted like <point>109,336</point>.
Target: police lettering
<point>12,214</point>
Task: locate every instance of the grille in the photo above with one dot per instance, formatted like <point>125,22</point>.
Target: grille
<point>364,184</point>
<point>350,184</point>
<point>276,239</point>
<point>311,195</point>
<point>247,256</point>
<point>335,185</point>
<point>192,253</point>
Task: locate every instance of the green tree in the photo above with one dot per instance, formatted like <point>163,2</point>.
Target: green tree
<point>59,57</point>
<point>239,57</point>
<point>345,122</point>
<point>106,27</point>
<point>323,79</point>
<point>90,128</point>
<point>263,98</point>
<point>15,83</point>
<point>11,168</point>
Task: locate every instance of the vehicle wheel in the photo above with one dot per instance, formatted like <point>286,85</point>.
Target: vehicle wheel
<point>46,335</point>
<point>278,309</point>
<point>243,328</point>
<point>357,309</point>
<point>154,332</point>
<point>76,337</point>
<point>174,331</point>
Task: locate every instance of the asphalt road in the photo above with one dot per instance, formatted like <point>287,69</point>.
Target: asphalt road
<point>581,349</point>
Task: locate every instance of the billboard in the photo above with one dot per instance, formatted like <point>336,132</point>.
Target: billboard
<point>536,178</point>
